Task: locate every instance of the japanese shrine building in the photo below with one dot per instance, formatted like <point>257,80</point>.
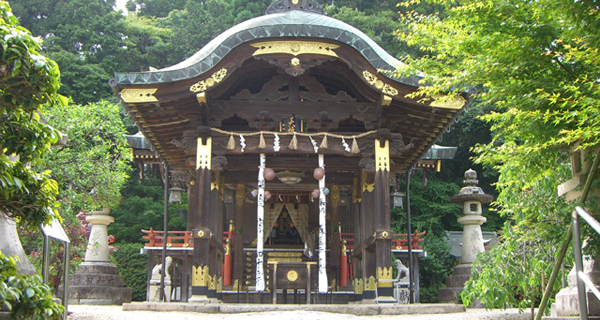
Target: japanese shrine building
<point>250,122</point>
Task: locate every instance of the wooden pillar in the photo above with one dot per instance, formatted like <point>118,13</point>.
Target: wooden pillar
<point>201,230</point>
<point>367,245</point>
<point>357,254</point>
<point>334,238</point>
<point>215,261</point>
<point>238,245</point>
<point>382,222</point>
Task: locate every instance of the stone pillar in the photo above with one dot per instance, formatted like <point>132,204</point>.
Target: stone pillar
<point>471,197</point>
<point>97,280</point>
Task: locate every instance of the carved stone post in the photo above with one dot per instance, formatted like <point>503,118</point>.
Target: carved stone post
<point>97,280</point>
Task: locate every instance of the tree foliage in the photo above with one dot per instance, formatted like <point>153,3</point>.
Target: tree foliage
<point>93,165</point>
<point>536,62</point>
<point>28,81</point>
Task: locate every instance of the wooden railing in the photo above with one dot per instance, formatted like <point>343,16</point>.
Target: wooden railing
<point>399,241</point>
<point>178,239</point>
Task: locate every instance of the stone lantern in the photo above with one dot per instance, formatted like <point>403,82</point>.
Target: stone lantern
<point>471,197</point>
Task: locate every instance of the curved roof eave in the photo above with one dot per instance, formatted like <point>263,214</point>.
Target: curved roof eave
<point>287,24</point>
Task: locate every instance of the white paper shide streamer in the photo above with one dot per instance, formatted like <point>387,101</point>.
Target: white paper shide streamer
<point>260,217</point>
<point>276,145</point>
<point>242,142</point>
<point>345,145</point>
<point>314,143</point>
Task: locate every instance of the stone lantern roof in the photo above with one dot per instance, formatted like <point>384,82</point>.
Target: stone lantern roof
<point>471,191</point>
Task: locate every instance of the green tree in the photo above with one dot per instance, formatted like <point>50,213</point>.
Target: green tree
<point>27,82</point>
<point>143,208</point>
<point>537,63</point>
<point>93,165</point>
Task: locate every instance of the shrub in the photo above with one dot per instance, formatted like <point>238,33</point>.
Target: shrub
<point>25,295</point>
<point>133,266</point>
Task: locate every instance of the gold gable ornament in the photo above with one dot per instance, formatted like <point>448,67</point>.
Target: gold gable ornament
<point>295,48</point>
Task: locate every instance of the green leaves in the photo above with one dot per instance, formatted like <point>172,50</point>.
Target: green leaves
<point>25,295</point>
<point>536,62</point>
<point>93,165</point>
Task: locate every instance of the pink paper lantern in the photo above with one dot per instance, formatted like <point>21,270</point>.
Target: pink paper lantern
<point>315,193</point>
<point>267,195</point>
<point>319,173</point>
<point>269,174</point>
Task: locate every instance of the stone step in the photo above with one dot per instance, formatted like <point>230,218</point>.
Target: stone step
<point>97,295</point>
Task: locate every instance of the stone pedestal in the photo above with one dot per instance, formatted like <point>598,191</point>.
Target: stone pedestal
<point>11,244</point>
<point>401,294</point>
<point>455,284</point>
<point>567,299</point>
<point>97,281</point>
<point>98,284</point>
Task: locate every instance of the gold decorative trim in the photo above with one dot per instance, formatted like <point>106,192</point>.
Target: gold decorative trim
<point>220,285</point>
<point>212,282</point>
<point>386,101</point>
<point>335,196</point>
<point>228,246</point>
<point>379,84</point>
<point>139,95</point>
<point>455,103</point>
<point>382,155</point>
<point>358,286</point>
<point>205,84</point>
<point>370,284</point>
<point>384,274</point>
<point>201,233</point>
<point>240,195</point>
<point>292,275</point>
<point>203,156</point>
<point>370,187</point>
<point>280,259</point>
<point>284,254</point>
<point>295,48</point>
<point>199,276</point>
<point>385,234</point>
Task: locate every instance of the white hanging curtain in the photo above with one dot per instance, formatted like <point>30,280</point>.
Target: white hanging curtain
<point>300,218</point>
<point>271,216</point>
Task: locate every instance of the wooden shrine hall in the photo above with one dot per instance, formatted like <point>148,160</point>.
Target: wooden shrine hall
<point>286,133</point>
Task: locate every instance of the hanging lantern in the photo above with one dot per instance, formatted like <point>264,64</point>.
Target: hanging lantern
<point>267,195</point>
<point>319,173</point>
<point>254,193</point>
<point>396,198</point>
<point>269,174</point>
<point>326,191</point>
<point>315,193</point>
<point>175,195</point>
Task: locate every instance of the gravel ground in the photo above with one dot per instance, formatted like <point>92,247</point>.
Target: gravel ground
<point>89,312</point>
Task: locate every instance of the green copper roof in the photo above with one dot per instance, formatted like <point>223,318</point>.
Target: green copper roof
<point>295,23</point>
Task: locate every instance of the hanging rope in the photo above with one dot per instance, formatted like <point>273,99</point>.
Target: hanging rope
<point>294,141</point>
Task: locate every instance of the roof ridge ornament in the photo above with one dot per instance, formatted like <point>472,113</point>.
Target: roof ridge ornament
<point>289,5</point>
